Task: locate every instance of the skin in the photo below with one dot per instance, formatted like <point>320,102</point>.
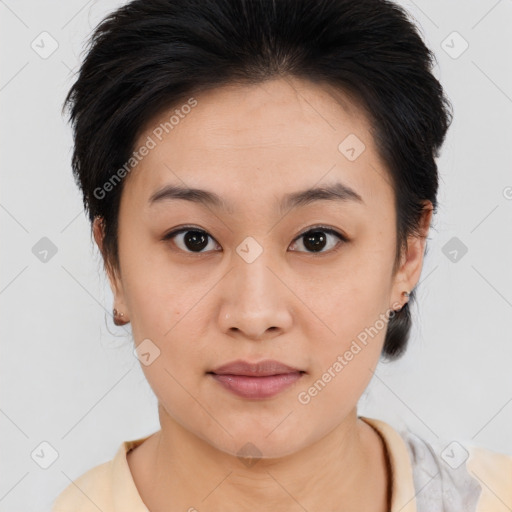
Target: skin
<point>251,145</point>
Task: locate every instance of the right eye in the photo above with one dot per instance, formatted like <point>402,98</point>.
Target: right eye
<point>190,239</point>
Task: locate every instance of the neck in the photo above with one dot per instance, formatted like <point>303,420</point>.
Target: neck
<point>345,470</point>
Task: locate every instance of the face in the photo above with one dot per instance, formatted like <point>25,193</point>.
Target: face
<point>256,275</point>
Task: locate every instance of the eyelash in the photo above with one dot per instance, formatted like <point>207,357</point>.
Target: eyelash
<point>314,229</point>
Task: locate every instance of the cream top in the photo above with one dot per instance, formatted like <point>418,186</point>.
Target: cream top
<point>446,477</point>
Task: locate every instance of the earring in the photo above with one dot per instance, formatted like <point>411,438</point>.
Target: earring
<point>118,317</point>
<point>407,295</point>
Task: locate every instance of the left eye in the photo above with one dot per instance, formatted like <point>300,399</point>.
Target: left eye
<point>314,240</point>
<point>194,240</point>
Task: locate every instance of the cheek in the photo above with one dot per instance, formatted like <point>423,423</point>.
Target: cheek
<point>152,314</point>
<point>157,294</point>
<point>343,367</point>
<point>348,300</point>
<point>349,333</point>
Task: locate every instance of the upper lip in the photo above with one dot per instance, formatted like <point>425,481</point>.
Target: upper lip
<point>260,369</point>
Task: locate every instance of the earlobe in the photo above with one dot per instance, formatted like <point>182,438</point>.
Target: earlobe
<point>119,317</point>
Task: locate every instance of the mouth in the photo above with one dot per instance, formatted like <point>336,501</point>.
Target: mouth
<point>260,380</point>
<point>260,369</point>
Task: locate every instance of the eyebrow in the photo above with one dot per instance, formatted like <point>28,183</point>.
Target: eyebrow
<point>333,192</point>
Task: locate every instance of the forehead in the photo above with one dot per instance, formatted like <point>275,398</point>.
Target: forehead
<point>253,143</point>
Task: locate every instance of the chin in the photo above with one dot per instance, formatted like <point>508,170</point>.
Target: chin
<point>256,443</point>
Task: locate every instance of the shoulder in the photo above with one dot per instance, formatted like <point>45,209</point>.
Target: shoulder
<point>459,475</point>
<point>89,492</point>
<point>108,487</point>
<point>493,471</point>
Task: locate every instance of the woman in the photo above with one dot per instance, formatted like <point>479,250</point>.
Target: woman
<point>260,178</point>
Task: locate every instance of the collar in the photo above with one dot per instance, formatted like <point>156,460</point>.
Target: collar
<point>402,483</point>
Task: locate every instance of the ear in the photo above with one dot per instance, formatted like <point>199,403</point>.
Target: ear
<point>114,278</point>
<point>408,275</point>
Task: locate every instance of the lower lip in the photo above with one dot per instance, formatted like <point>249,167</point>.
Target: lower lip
<point>257,387</point>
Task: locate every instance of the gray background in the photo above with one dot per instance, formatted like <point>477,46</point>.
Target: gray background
<point>68,375</point>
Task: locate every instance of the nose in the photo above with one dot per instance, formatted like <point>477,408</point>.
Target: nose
<point>256,301</point>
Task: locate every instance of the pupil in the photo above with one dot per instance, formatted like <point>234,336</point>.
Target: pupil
<point>315,241</point>
<point>195,240</point>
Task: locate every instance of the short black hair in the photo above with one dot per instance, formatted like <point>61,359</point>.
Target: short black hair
<point>151,55</point>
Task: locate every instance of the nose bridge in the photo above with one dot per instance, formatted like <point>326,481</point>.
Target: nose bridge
<point>254,281</point>
<point>255,300</point>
